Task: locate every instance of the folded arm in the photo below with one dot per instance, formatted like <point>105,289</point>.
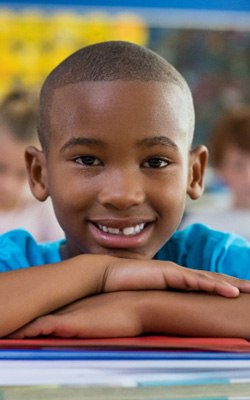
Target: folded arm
<point>146,312</point>
<point>29,293</point>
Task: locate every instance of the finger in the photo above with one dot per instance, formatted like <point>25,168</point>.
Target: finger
<point>200,281</point>
<point>42,326</point>
<point>219,287</point>
<point>242,284</point>
<point>154,274</point>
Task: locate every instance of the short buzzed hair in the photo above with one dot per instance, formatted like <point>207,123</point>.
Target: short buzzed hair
<point>108,61</point>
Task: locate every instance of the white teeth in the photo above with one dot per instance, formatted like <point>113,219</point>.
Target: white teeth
<point>114,231</point>
<point>128,231</point>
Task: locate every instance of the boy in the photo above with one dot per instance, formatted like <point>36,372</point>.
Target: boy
<point>115,125</point>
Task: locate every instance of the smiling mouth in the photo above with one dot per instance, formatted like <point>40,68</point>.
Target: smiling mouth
<point>127,231</point>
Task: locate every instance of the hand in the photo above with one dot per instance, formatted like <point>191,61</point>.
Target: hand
<point>126,274</point>
<point>104,315</point>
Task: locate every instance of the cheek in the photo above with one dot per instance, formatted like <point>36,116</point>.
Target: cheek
<point>170,205</point>
<point>170,196</point>
<point>71,196</point>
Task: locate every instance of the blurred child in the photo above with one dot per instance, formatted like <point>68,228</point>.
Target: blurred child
<point>230,158</point>
<point>18,209</point>
<point>116,125</point>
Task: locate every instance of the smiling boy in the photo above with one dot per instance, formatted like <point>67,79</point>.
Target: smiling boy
<point>116,125</point>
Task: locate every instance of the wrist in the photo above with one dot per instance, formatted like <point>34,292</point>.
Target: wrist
<point>96,270</point>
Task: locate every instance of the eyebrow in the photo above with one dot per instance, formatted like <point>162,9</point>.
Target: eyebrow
<point>158,140</point>
<point>149,142</point>
<point>82,141</point>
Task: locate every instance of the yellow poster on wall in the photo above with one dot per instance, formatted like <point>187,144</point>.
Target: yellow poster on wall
<point>33,41</point>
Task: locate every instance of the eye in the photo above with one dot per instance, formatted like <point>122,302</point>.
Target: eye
<point>88,161</point>
<point>156,162</point>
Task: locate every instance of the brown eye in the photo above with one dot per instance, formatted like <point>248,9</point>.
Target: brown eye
<point>156,162</point>
<point>88,161</point>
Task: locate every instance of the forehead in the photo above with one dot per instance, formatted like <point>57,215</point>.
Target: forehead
<point>120,106</point>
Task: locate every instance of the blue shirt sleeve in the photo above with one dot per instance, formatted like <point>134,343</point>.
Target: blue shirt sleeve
<point>199,247</point>
<point>18,249</point>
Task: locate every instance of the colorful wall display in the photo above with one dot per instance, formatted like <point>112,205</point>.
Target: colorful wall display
<point>214,57</point>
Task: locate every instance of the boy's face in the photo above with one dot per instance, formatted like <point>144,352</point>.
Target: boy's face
<point>118,166</point>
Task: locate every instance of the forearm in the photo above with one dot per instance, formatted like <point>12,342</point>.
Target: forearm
<point>28,293</point>
<point>195,314</point>
<point>146,312</point>
<point>32,292</point>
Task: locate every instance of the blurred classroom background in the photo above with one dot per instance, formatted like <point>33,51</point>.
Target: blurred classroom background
<point>208,41</point>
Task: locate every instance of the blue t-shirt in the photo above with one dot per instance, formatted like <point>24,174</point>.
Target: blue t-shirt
<point>196,247</point>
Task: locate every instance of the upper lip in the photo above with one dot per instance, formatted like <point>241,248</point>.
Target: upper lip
<point>120,223</point>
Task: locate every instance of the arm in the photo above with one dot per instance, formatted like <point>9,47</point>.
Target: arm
<point>146,312</point>
<point>199,314</point>
<point>29,293</point>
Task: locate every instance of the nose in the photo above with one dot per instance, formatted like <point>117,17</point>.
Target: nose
<point>122,190</point>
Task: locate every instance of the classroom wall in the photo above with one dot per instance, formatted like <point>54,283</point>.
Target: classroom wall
<point>209,42</point>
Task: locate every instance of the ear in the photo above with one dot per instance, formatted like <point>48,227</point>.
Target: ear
<point>36,166</point>
<point>198,159</point>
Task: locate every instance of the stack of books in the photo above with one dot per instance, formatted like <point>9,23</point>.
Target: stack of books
<point>148,367</point>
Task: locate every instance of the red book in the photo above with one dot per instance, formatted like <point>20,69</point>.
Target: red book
<point>142,342</point>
